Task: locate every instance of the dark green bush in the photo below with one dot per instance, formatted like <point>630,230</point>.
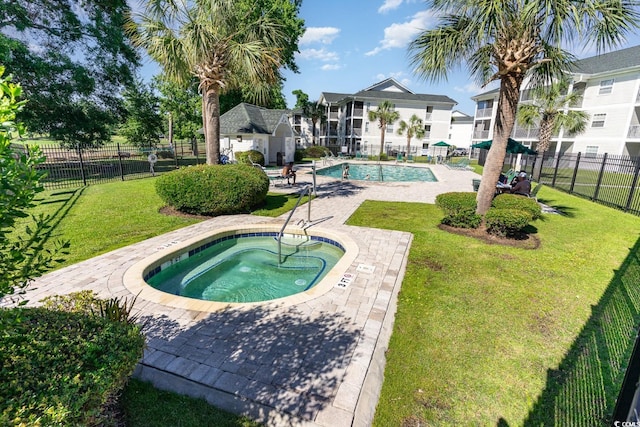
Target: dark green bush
<point>61,368</point>
<point>315,151</point>
<point>244,156</point>
<point>506,222</point>
<point>165,154</point>
<point>518,203</point>
<point>214,189</point>
<point>383,157</point>
<point>299,155</point>
<point>459,209</point>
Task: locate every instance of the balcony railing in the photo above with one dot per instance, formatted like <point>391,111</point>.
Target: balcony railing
<point>634,131</point>
<point>485,112</point>
<point>427,116</point>
<point>480,134</point>
<point>333,115</point>
<point>357,112</point>
<point>526,133</point>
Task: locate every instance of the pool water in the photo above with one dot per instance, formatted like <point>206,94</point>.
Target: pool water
<point>386,173</point>
<point>247,270</point>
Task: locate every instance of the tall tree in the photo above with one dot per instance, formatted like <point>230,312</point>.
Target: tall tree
<point>505,40</point>
<point>314,111</point>
<point>181,104</point>
<point>73,60</point>
<point>143,124</point>
<point>302,99</point>
<point>550,111</point>
<point>226,44</point>
<point>413,128</point>
<point>385,114</point>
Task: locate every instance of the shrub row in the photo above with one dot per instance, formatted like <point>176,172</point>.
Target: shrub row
<point>62,368</point>
<point>459,209</point>
<point>508,215</point>
<point>246,157</point>
<point>214,189</point>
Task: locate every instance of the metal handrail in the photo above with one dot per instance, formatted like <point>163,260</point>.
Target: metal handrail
<point>306,189</point>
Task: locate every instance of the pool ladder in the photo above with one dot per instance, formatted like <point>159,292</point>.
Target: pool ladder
<point>307,190</point>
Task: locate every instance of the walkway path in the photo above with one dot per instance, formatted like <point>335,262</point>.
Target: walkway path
<point>318,363</point>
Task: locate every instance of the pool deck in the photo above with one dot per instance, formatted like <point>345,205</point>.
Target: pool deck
<point>315,363</point>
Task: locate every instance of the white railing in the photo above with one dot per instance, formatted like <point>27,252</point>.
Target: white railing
<point>480,134</point>
<point>485,112</point>
<point>634,131</point>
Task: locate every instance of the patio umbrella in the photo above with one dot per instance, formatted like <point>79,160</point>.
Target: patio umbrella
<point>441,145</point>
<point>513,147</point>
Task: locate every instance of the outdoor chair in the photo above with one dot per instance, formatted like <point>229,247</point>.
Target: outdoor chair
<point>462,164</point>
<point>534,193</point>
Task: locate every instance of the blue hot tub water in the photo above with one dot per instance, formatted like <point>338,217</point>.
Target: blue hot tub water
<point>375,172</point>
<point>246,269</point>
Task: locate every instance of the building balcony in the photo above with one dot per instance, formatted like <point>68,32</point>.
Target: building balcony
<point>333,115</point>
<point>427,117</point>
<point>526,133</point>
<point>485,112</point>
<point>480,134</point>
<point>634,131</point>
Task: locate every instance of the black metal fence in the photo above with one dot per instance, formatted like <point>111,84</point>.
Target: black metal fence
<point>607,179</point>
<point>70,168</point>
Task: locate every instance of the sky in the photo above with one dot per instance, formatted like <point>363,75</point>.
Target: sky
<point>349,45</point>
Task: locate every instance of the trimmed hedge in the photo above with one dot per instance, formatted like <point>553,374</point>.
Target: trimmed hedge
<point>519,203</point>
<point>459,209</point>
<point>214,189</point>
<point>255,155</point>
<point>506,222</point>
<point>61,368</point>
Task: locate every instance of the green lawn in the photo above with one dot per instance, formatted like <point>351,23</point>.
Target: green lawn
<point>481,329</point>
<point>484,334</point>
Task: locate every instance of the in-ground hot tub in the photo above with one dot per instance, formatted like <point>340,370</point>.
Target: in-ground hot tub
<point>243,265</point>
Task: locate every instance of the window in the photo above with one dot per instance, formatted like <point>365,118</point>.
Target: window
<point>427,128</point>
<point>390,128</point>
<point>368,106</point>
<point>425,145</point>
<point>591,151</point>
<point>366,126</point>
<point>606,86</point>
<point>598,120</point>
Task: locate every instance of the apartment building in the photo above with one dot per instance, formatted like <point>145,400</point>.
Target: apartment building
<point>610,88</point>
<point>347,127</point>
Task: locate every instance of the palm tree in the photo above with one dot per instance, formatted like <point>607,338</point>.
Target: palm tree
<point>506,40</point>
<point>385,114</point>
<point>415,127</point>
<point>315,112</point>
<point>549,110</point>
<point>215,41</point>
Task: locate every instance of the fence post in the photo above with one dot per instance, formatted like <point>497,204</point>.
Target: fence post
<point>555,171</point>
<point>634,183</point>
<point>120,163</point>
<point>597,190</point>
<point>84,178</point>
<point>575,172</point>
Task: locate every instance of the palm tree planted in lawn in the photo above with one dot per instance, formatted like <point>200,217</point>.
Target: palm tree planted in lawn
<point>219,42</point>
<point>549,109</point>
<point>414,128</point>
<point>385,114</point>
<point>506,40</point>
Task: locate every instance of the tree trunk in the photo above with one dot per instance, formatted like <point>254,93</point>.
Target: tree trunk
<point>507,108</point>
<point>170,130</point>
<point>545,133</point>
<point>383,129</point>
<point>406,155</point>
<point>211,120</point>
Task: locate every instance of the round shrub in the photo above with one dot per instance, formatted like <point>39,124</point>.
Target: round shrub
<point>214,189</point>
<point>315,151</point>
<point>255,156</point>
<point>506,222</point>
<point>459,209</point>
<point>298,155</point>
<point>518,203</point>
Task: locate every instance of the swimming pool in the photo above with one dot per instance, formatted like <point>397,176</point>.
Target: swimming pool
<point>244,268</point>
<point>299,253</point>
<point>380,172</point>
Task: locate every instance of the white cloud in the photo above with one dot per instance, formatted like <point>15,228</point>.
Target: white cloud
<point>389,5</point>
<point>400,35</point>
<point>320,54</point>
<point>469,88</point>
<point>330,67</point>
<point>324,35</point>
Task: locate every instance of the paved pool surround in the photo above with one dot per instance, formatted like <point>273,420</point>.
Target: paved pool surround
<point>312,362</point>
